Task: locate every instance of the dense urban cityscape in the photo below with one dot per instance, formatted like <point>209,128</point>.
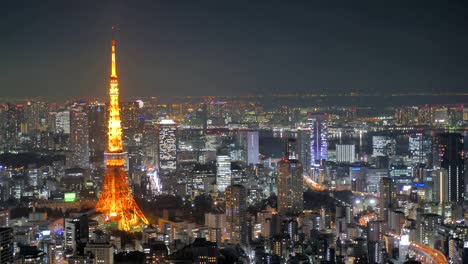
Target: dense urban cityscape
<point>368,177</point>
<point>227,180</point>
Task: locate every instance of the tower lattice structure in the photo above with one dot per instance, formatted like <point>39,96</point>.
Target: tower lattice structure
<point>116,201</point>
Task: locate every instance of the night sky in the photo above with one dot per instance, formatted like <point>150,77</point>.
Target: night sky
<point>61,48</point>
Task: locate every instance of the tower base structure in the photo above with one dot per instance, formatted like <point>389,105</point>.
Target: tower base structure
<point>116,201</point>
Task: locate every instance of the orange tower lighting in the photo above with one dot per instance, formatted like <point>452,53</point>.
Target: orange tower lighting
<point>116,201</point>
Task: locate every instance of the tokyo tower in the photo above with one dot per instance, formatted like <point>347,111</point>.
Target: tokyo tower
<point>116,201</point>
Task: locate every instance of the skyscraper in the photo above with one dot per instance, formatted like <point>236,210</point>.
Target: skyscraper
<point>12,125</point>
<point>252,147</point>
<point>303,147</point>
<point>79,134</point>
<point>6,245</point>
<point>167,145</point>
<point>318,125</point>
<point>76,231</point>
<point>387,197</point>
<point>62,122</point>
<point>383,146</point>
<point>419,147</point>
<point>236,207</point>
<point>97,130</point>
<point>449,155</point>
<point>440,185</point>
<point>290,185</point>
<point>223,172</point>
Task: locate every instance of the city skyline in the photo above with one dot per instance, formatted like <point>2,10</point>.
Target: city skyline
<point>207,48</point>
<point>268,174</point>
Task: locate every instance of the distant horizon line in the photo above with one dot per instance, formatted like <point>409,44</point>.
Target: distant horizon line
<point>274,95</point>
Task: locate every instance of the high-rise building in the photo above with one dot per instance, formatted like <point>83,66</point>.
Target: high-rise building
<point>358,178</point>
<point>76,234</point>
<point>62,122</point>
<point>387,197</point>
<point>290,186</point>
<point>406,115</point>
<point>97,130</point>
<point>376,230</point>
<point>419,147</point>
<point>36,116</point>
<point>6,245</point>
<point>79,134</point>
<point>440,179</point>
<point>303,147</point>
<point>396,220</point>
<point>14,115</point>
<point>129,112</point>
<point>167,151</point>
<point>449,155</point>
<point>223,172</point>
<point>252,147</point>
<point>383,146</point>
<point>236,208</point>
<point>345,153</point>
<point>318,125</point>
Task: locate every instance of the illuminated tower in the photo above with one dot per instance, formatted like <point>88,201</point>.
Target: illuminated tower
<point>116,201</point>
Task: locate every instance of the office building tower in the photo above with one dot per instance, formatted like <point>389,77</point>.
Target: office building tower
<point>383,146</point>
<point>440,186</point>
<point>6,245</point>
<point>345,153</point>
<point>376,251</point>
<point>318,125</point>
<point>236,208</point>
<point>13,116</point>
<point>62,122</point>
<point>396,221</point>
<point>419,147</point>
<point>167,151</point>
<point>358,178</point>
<point>303,147</point>
<point>290,185</point>
<point>79,144</point>
<point>97,135</point>
<point>387,197</point>
<point>344,211</point>
<point>376,230</point>
<point>76,233</point>
<point>448,154</point>
<point>252,147</point>
<point>129,114</point>
<point>403,248</point>
<point>223,172</point>
<point>36,116</point>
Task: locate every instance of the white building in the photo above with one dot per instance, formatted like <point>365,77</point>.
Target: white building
<point>252,147</point>
<point>345,153</point>
<point>62,122</point>
<point>223,172</point>
<point>167,144</point>
<point>383,146</point>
